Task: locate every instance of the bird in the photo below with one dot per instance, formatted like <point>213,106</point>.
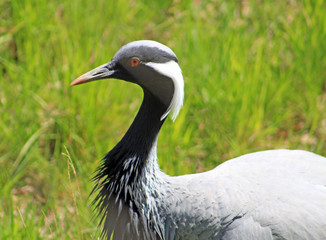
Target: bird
<point>271,194</point>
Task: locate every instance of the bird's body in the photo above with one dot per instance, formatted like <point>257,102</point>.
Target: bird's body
<point>264,195</point>
<point>276,194</point>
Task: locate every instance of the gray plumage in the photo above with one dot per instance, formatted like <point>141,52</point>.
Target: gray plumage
<point>275,194</point>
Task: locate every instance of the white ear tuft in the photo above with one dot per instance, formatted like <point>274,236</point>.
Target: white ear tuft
<point>172,70</point>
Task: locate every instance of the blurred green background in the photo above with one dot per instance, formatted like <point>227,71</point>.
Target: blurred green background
<point>255,79</point>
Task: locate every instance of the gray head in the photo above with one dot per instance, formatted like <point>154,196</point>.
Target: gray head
<point>149,64</point>
<point>147,51</point>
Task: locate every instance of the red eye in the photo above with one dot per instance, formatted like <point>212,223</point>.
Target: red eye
<point>134,62</point>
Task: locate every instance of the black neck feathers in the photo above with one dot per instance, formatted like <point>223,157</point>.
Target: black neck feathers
<point>136,143</point>
<point>119,178</point>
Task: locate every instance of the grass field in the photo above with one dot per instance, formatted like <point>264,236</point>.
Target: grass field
<point>255,79</point>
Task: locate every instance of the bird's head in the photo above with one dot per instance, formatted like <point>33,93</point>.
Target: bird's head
<point>149,64</point>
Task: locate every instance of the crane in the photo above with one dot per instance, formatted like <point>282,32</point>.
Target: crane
<point>272,194</point>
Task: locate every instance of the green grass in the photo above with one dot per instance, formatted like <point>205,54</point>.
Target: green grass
<point>255,79</point>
